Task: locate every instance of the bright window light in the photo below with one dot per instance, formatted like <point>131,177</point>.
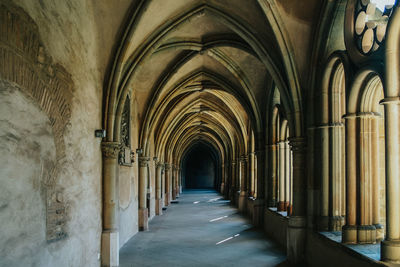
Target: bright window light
<point>382,3</point>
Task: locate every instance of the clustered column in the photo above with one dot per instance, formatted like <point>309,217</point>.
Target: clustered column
<point>143,177</point>
<point>159,204</point>
<point>362,220</point>
<point>168,194</point>
<point>390,250</point>
<point>243,183</point>
<point>297,222</point>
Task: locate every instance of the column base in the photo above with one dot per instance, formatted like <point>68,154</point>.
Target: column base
<point>366,234</point>
<point>167,199</point>
<point>296,239</point>
<point>110,248</point>
<point>222,189</point>
<point>258,212</point>
<point>349,234</point>
<point>159,205</point>
<point>380,232</point>
<point>242,201</point>
<point>174,194</point>
<point>281,206</point>
<point>390,251</point>
<point>143,219</point>
<point>336,223</point>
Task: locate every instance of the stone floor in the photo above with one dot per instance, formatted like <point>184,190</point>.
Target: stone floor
<point>201,229</point>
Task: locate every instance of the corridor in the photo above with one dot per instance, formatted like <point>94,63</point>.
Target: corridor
<point>201,230</point>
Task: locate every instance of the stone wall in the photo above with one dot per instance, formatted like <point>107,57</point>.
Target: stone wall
<point>53,60</point>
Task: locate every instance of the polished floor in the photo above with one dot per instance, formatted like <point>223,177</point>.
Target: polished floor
<point>201,230</point>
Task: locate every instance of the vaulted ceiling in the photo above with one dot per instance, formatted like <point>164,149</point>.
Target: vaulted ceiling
<point>204,70</point>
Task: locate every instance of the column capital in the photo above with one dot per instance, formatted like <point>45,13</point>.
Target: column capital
<point>244,158</point>
<point>144,161</point>
<point>160,165</point>
<point>233,162</point>
<point>298,144</point>
<point>167,166</point>
<point>110,149</point>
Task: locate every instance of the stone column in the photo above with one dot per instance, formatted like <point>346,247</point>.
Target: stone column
<point>243,183</point>
<point>349,230</point>
<point>163,198</point>
<point>232,189</point>
<point>323,221</point>
<point>259,202</point>
<point>375,178</point>
<point>272,175</point>
<point>173,184</point>
<point>281,203</point>
<point>110,234</point>
<point>296,233</point>
<point>287,175</point>
<point>366,232</point>
<point>159,204</point>
<point>222,187</point>
<point>143,209</point>
<point>167,184</point>
<point>390,247</point>
<point>178,179</point>
<point>336,220</point>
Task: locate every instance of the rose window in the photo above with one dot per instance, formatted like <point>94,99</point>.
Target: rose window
<point>371,19</point>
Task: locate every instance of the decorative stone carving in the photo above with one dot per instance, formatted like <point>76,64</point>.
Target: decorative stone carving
<point>144,161</point>
<point>126,156</point>
<point>110,149</point>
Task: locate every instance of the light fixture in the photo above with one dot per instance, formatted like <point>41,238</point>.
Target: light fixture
<point>155,158</point>
<point>139,151</point>
<point>100,133</point>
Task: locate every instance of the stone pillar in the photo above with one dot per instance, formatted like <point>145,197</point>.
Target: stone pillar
<point>110,234</point>
<point>272,175</point>
<point>349,230</point>
<point>163,198</point>
<point>366,231</point>
<point>222,187</point>
<point>159,203</point>
<point>281,203</point>
<point>359,228</point>
<point>390,247</point>
<point>243,183</point>
<point>143,209</point>
<point>232,189</point>
<point>287,175</point>
<point>323,220</point>
<point>375,179</point>
<point>173,184</point>
<point>296,233</point>
<point>168,193</point>
<point>336,220</point>
<point>259,203</point>
<point>178,178</point>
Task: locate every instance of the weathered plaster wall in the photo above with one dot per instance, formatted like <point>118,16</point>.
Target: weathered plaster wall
<point>27,152</point>
<point>79,36</point>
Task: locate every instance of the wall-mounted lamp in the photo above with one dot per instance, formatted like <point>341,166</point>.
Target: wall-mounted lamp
<point>139,151</point>
<point>100,133</point>
<point>155,158</point>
